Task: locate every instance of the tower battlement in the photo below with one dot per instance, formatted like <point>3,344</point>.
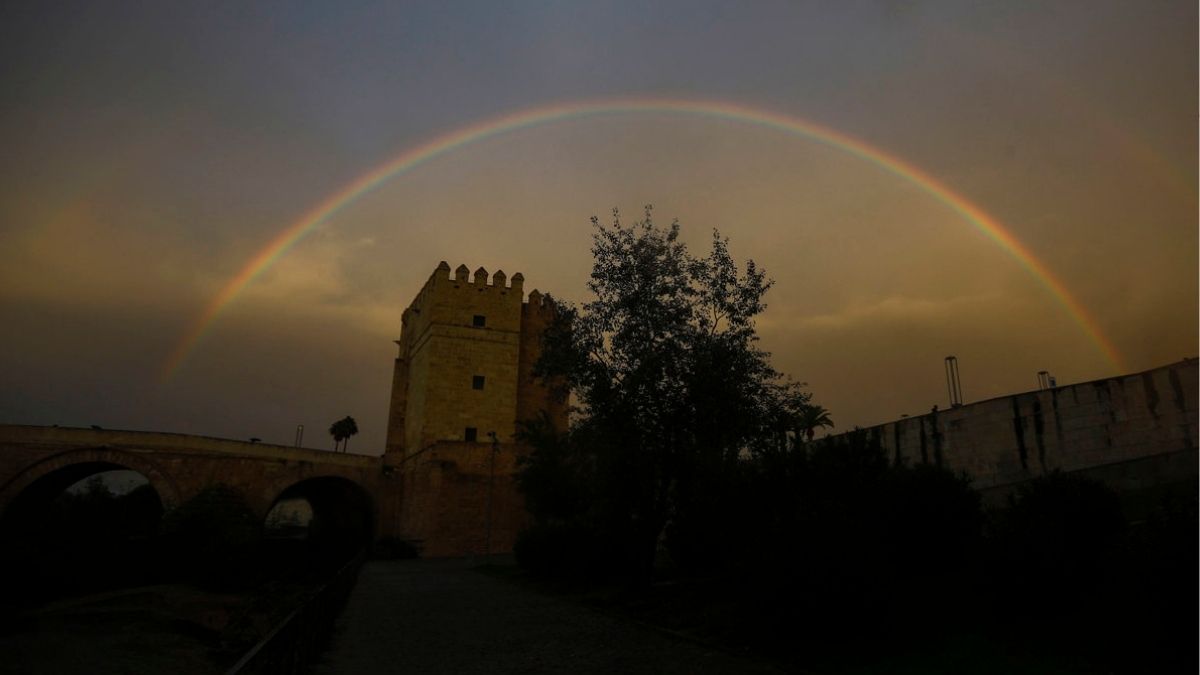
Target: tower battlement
<point>540,303</point>
<point>463,377</point>
<point>460,297</point>
<point>479,279</point>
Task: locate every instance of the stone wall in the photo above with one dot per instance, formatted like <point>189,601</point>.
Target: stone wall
<point>444,482</point>
<point>1134,431</point>
<point>441,351</point>
<point>431,486</point>
<point>178,466</point>
<point>533,396</point>
<point>446,506</point>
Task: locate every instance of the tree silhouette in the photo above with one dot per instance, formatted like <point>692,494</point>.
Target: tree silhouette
<point>671,384</point>
<point>813,417</point>
<point>342,430</point>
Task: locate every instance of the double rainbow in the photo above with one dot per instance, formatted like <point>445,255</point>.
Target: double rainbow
<point>525,119</point>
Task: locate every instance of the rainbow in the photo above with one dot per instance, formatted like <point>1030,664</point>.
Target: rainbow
<point>524,119</point>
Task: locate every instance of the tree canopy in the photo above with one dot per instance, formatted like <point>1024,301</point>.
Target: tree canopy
<point>342,430</point>
<point>670,383</point>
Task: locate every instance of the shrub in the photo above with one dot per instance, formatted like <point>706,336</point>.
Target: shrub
<point>566,552</point>
<point>394,548</point>
<point>1057,541</point>
<point>214,540</point>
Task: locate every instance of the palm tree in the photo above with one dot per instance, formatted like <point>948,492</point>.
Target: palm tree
<point>813,417</point>
<point>342,430</point>
<point>335,430</point>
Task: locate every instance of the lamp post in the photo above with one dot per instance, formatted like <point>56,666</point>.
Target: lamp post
<point>487,546</point>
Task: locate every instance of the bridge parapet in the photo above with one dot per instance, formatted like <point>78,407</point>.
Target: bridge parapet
<point>178,466</point>
<point>73,437</point>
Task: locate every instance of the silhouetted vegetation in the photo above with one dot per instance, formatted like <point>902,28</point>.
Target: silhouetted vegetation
<point>393,548</point>
<point>829,556</point>
<point>1056,538</point>
<point>201,574</point>
<point>671,387</point>
<point>214,540</point>
<point>813,417</point>
<point>837,530</point>
<point>1062,560</point>
<point>89,539</point>
<point>342,430</point>
<point>95,514</point>
<point>689,450</point>
<point>81,540</point>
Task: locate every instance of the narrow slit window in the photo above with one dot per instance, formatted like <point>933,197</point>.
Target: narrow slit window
<point>479,321</point>
<point>470,434</point>
<point>477,382</point>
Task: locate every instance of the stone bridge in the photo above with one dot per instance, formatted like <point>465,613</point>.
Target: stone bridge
<point>37,463</point>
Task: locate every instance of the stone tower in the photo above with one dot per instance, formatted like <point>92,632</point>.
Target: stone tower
<point>464,373</point>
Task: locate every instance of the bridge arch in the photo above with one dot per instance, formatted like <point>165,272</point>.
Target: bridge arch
<point>50,476</point>
<point>55,542</point>
<point>343,512</point>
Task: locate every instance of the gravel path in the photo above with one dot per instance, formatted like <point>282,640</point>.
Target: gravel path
<point>441,616</point>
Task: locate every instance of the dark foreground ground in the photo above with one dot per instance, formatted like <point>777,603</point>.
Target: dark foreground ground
<point>167,628</point>
<point>455,616</point>
<point>447,616</point>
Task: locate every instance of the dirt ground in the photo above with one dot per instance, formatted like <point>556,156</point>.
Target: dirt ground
<point>151,629</point>
<point>444,616</point>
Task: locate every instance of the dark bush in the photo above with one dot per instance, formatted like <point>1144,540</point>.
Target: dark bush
<point>1058,540</point>
<point>83,541</point>
<point>931,523</point>
<point>834,541</point>
<point>566,552</point>
<point>394,548</point>
<point>214,540</point>
<point>1152,600</point>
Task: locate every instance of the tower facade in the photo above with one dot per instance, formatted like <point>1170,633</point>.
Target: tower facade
<point>462,381</point>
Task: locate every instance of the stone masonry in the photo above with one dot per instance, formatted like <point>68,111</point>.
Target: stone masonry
<point>178,466</point>
<point>467,349</point>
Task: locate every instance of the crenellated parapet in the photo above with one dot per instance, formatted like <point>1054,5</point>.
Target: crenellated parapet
<point>540,305</point>
<point>460,297</point>
<point>442,282</point>
<point>460,319</point>
<point>535,397</point>
<point>477,279</point>
<point>464,375</point>
<point>462,278</point>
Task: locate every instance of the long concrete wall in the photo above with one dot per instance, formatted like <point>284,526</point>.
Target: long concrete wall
<point>1134,432</point>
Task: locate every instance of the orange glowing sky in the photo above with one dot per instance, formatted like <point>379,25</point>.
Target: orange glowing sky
<point>153,156</point>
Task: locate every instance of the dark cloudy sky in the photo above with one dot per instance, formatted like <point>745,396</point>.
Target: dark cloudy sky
<point>148,151</point>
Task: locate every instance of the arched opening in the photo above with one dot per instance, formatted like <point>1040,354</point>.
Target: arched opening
<point>289,519</point>
<point>316,525</point>
<point>78,529</point>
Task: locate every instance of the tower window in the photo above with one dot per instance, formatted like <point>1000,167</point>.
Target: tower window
<point>477,382</point>
<point>470,434</point>
<point>479,321</point>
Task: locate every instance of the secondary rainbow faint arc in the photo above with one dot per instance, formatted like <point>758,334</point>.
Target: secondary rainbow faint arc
<point>524,119</point>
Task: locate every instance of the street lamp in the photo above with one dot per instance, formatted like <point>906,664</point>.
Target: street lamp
<point>487,546</point>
